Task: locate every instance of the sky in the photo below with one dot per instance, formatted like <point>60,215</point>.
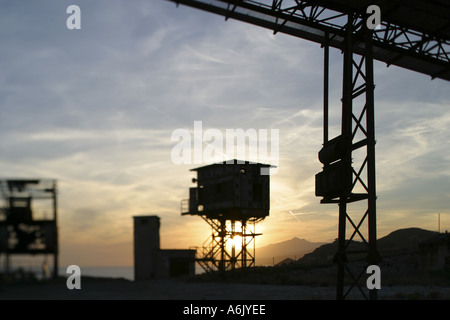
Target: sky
<point>96,108</point>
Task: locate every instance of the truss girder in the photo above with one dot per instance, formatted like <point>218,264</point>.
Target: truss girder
<point>216,254</point>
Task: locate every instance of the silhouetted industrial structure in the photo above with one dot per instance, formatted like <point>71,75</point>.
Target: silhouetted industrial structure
<point>412,34</point>
<point>230,196</point>
<point>28,219</point>
<point>434,254</point>
<point>151,262</point>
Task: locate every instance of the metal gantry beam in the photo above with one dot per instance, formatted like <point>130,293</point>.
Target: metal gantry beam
<point>348,176</point>
<point>357,104</point>
<point>409,36</point>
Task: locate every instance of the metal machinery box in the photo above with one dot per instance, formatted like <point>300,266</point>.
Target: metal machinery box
<point>230,190</point>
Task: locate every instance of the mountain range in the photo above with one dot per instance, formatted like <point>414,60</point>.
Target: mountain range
<point>294,248</point>
<point>319,253</point>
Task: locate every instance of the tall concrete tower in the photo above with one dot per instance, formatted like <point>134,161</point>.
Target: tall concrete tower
<point>146,247</point>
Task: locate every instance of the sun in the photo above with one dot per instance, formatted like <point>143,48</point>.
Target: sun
<point>235,241</point>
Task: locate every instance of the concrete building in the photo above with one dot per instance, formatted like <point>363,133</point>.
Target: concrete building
<point>150,262</point>
<point>434,254</point>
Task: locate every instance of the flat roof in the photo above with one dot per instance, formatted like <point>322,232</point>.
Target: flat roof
<point>234,162</point>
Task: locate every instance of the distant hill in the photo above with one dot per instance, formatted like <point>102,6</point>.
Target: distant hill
<point>397,242</point>
<point>318,253</point>
<point>404,240</point>
<point>294,248</point>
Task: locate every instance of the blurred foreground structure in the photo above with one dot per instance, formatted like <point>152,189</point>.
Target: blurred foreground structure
<point>28,220</point>
<point>150,262</point>
<point>230,196</point>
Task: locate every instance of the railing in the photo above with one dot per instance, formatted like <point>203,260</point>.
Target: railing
<point>184,206</point>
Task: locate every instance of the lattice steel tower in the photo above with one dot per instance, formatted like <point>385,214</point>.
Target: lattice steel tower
<point>231,197</point>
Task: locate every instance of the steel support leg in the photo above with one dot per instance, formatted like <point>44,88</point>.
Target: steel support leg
<point>357,134</point>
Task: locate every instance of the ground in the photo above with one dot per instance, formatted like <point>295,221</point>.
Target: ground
<point>121,289</point>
